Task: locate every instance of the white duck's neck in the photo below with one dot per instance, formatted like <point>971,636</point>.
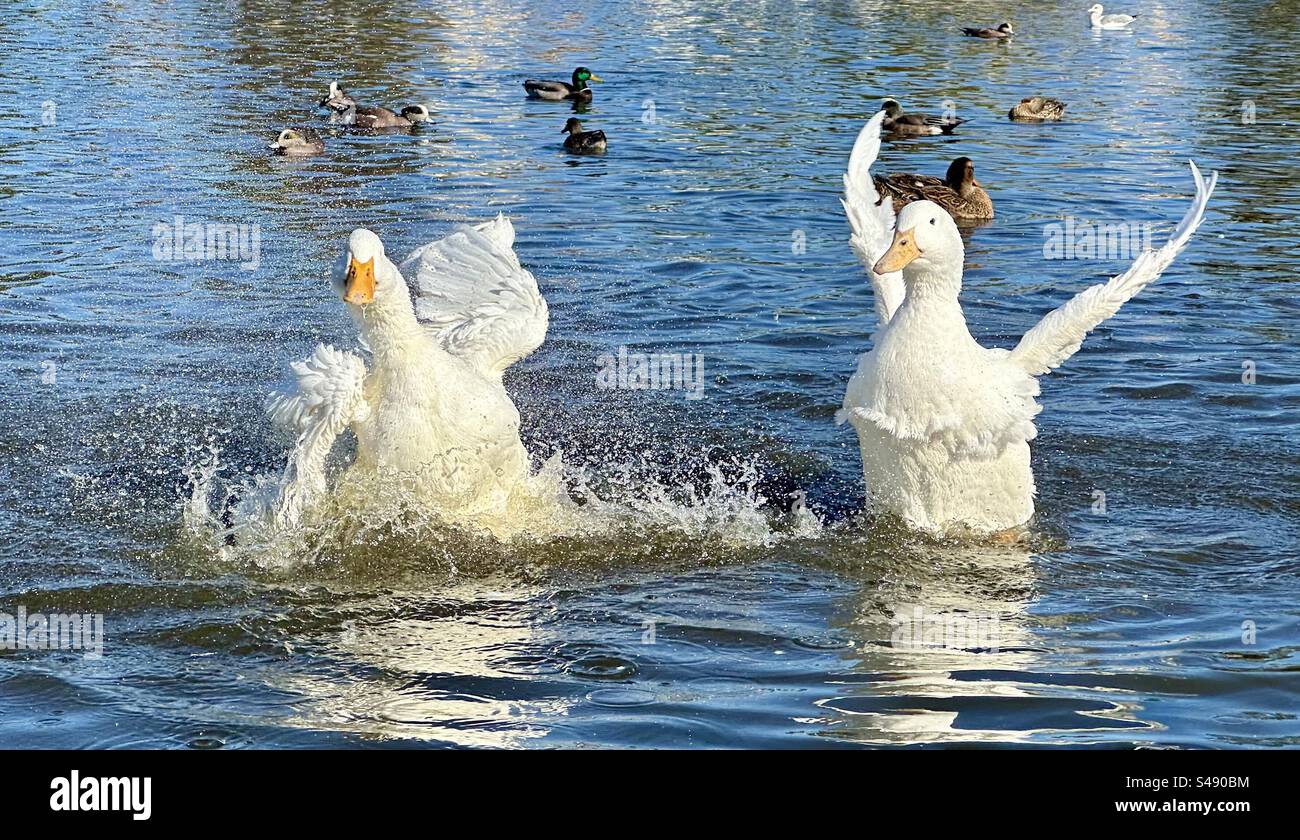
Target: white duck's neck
<point>933,286</point>
<point>388,323</point>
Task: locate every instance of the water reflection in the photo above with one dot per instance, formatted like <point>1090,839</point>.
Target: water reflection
<point>950,652</point>
<point>444,670</point>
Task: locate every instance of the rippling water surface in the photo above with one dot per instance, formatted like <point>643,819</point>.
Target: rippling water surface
<point>718,620</point>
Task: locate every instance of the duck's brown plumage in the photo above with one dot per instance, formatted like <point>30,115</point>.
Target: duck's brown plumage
<point>298,141</point>
<point>957,192</point>
<point>582,141</point>
<point>1037,108</point>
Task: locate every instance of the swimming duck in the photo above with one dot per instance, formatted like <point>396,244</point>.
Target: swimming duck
<point>958,192</point>
<point>1040,108</point>
<point>298,141</point>
<point>345,111</point>
<point>943,423</point>
<point>580,141</point>
<point>1100,21</point>
<point>557,91</point>
<point>897,122</point>
<point>430,415</point>
<point>1003,30</point>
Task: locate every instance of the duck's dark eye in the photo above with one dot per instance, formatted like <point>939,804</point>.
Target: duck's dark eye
<point>932,221</point>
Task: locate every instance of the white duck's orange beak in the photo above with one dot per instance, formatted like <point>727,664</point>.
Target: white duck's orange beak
<point>901,252</point>
<point>360,288</point>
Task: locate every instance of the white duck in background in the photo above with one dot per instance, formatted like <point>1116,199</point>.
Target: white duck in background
<point>944,424</point>
<point>431,415</point>
<point>1100,21</point>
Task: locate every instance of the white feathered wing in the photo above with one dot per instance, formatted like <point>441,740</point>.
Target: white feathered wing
<point>328,397</point>
<point>870,219</point>
<point>481,304</point>
<point>1060,334</point>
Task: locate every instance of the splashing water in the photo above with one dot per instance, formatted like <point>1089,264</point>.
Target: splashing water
<point>243,520</point>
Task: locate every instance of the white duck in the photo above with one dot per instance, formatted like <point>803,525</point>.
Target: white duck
<point>1100,21</point>
<point>431,412</point>
<point>944,424</point>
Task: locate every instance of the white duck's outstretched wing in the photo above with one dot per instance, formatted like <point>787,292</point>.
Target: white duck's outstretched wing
<point>1059,335</point>
<point>329,396</point>
<point>871,220</point>
<point>480,302</point>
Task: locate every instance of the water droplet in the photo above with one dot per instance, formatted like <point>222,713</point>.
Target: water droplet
<point>598,666</point>
<point>822,641</point>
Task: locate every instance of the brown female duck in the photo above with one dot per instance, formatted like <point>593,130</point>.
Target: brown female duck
<point>582,142</point>
<point>957,192</point>
<point>299,141</point>
<point>1039,108</point>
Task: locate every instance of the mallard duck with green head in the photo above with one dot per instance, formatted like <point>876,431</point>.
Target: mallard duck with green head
<point>577,90</point>
<point>957,192</point>
<point>914,125</point>
<point>582,142</point>
<point>1037,108</point>
<point>298,141</point>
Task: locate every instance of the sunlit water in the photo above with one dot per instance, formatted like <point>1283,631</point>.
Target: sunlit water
<point>707,614</point>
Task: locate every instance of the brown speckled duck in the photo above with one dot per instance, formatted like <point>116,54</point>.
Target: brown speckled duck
<point>958,192</point>
<point>298,141</point>
<point>1037,108</point>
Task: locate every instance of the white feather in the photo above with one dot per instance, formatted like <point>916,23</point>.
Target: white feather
<point>329,396</point>
<point>1060,334</point>
<point>481,304</point>
<point>870,219</point>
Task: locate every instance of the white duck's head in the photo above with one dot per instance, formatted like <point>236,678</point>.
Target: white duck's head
<point>1095,10</point>
<point>366,279</point>
<point>926,246</point>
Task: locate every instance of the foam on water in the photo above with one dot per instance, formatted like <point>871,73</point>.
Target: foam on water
<point>241,520</point>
